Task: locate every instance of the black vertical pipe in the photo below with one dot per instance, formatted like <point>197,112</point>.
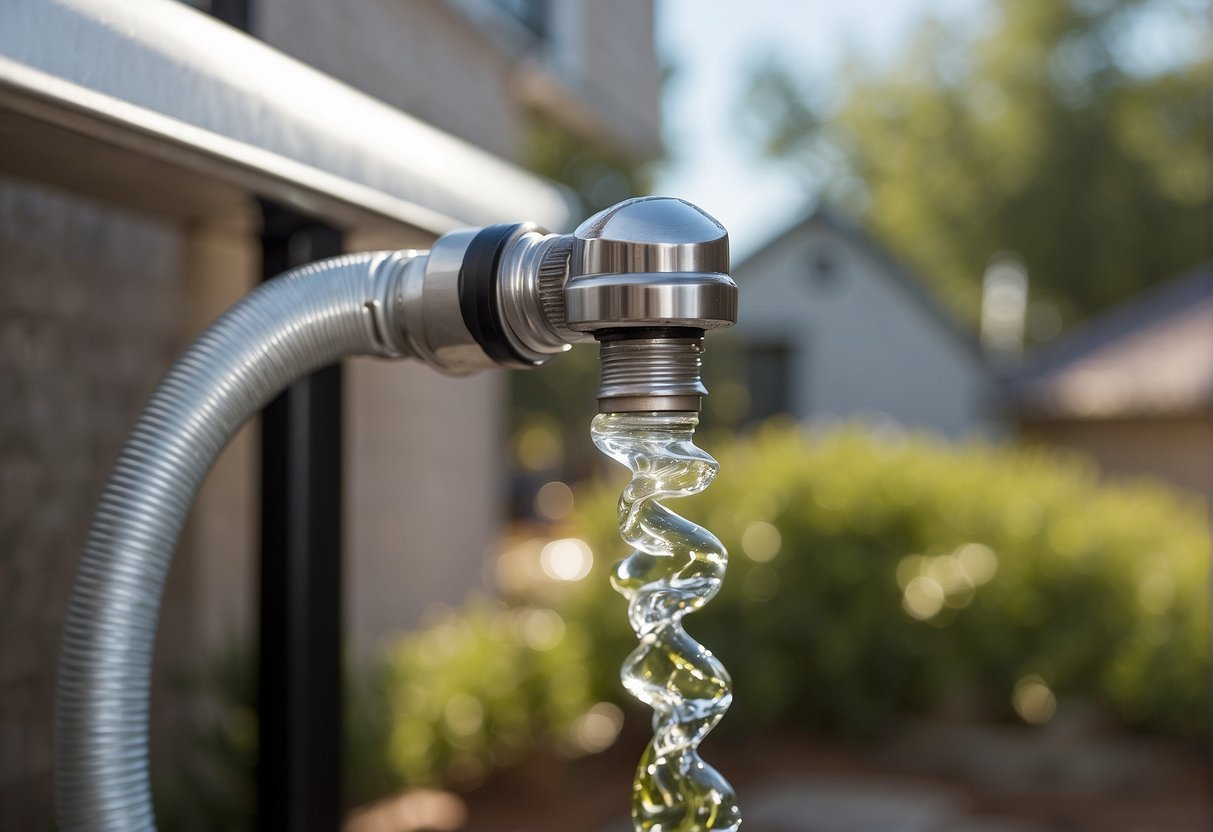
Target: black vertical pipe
<point>299,769</point>
<point>299,676</point>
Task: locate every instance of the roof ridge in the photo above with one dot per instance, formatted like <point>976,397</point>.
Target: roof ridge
<point>1135,314</point>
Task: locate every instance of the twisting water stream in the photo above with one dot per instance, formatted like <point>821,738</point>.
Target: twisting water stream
<point>676,568</point>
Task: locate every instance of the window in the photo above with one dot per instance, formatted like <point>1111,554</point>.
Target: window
<point>824,270</point>
<point>769,372</point>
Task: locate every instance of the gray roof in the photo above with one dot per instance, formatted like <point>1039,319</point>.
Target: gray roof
<point>1151,356</point>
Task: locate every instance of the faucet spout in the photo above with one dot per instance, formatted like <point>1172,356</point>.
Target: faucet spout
<point>646,278</point>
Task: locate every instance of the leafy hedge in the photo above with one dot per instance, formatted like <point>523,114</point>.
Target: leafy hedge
<point>912,574</point>
<point>868,578</point>
<point>480,686</point>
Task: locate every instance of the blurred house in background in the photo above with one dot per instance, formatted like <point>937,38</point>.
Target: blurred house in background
<point>98,296</point>
<point>835,328</point>
<point>1133,387</point>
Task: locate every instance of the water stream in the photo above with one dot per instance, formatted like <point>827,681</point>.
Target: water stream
<point>676,568</point>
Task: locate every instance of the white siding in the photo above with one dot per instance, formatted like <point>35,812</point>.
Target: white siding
<point>862,345</point>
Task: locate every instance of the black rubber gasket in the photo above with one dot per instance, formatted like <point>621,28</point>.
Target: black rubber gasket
<point>629,333</point>
<point>478,298</point>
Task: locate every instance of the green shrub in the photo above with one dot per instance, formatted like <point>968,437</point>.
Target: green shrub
<point>868,578</point>
<point>873,577</point>
<point>478,687</point>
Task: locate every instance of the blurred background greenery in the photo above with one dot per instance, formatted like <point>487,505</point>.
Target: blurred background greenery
<point>870,578</point>
<point>1043,134</point>
<point>1040,135</point>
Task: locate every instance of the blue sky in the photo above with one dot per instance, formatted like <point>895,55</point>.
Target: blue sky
<point>713,44</point>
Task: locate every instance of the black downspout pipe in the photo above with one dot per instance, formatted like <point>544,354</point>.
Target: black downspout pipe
<point>299,769</point>
<point>299,672</point>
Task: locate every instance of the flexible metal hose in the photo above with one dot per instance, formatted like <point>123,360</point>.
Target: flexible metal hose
<point>306,319</point>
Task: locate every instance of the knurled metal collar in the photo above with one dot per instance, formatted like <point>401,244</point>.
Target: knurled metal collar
<point>553,272</point>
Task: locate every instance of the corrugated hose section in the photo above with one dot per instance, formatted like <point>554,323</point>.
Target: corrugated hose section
<point>299,322</point>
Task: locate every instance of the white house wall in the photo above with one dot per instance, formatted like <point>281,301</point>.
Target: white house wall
<point>422,57</point>
<point>862,346</point>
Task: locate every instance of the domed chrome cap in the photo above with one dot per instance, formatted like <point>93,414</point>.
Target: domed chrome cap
<point>650,262</point>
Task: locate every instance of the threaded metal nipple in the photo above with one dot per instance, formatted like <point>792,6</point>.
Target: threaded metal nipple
<point>650,374</point>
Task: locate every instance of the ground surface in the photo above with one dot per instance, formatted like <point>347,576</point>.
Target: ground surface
<point>925,777</point>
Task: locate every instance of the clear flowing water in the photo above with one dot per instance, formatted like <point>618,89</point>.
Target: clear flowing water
<point>676,568</point>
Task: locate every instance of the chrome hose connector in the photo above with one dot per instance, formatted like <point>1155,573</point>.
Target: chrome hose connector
<point>646,278</point>
<point>477,300</point>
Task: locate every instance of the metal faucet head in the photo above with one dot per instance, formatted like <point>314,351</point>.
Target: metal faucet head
<point>650,262</point>
<point>646,278</point>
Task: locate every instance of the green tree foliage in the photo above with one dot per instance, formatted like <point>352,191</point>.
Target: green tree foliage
<point>1043,136</point>
<point>597,177</point>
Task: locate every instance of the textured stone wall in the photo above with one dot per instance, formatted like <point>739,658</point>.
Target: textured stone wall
<point>91,302</point>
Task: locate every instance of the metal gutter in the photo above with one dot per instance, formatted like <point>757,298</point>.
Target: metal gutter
<point>157,106</point>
